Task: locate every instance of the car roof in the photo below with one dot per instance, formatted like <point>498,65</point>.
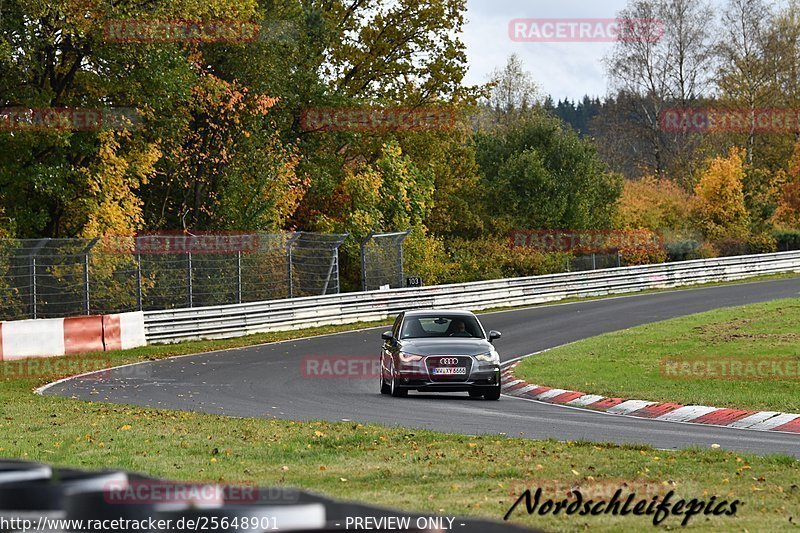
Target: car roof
<point>440,311</point>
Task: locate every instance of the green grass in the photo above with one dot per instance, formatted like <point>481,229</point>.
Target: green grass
<point>629,363</point>
<point>420,471</point>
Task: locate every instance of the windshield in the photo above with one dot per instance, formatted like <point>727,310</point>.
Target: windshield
<point>433,326</point>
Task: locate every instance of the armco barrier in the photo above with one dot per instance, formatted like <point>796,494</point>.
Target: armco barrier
<point>236,320</point>
<point>22,339</point>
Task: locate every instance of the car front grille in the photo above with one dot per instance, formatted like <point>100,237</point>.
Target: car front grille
<point>448,361</point>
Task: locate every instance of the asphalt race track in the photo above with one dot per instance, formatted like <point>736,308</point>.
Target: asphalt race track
<point>267,381</point>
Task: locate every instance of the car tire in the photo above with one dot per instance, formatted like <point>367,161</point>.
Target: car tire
<point>394,390</point>
<point>385,387</point>
<point>492,394</point>
<point>475,394</point>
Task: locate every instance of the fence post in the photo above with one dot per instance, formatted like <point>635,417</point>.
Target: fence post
<point>33,286</point>
<point>289,244</point>
<point>238,276</point>
<point>86,251</point>
<point>594,262</point>
<point>402,281</point>
<point>330,273</point>
<point>139,280</point>
<point>619,259</point>
<point>86,283</point>
<point>189,278</point>
<point>39,245</point>
<point>364,261</point>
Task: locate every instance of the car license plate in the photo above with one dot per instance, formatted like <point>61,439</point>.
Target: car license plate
<point>450,371</point>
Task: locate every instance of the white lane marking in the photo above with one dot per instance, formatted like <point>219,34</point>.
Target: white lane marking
<point>552,393</point>
<point>629,406</point>
<point>687,413</point>
<point>585,400</point>
<point>781,419</point>
<point>754,419</point>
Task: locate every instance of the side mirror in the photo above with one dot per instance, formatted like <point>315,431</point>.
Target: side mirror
<point>387,336</point>
<point>494,335</point>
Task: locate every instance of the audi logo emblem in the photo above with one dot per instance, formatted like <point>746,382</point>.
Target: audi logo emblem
<point>448,361</point>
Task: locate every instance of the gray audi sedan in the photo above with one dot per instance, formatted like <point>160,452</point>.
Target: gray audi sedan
<point>440,351</point>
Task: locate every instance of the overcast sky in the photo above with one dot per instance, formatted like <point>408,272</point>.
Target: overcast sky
<point>560,69</point>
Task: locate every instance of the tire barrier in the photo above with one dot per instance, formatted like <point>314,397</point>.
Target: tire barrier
<point>123,331</point>
<point>23,339</point>
<point>35,496</point>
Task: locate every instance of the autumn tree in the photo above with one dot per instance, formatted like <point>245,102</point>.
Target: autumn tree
<point>719,206</point>
<point>787,213</point>
<point>62,183</point>
<point>653,203</point>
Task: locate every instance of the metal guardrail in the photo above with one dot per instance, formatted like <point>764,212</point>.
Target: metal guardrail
<point>279,315</point>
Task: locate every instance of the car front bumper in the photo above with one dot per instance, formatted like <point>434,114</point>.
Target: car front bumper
<point>483,377</point>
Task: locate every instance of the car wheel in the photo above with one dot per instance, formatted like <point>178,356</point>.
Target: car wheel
<point>492,394</point>
<point>385,388</point>
<point>394,389</point>
<point>475,394</point>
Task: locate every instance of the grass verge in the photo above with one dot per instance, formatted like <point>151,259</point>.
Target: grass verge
<point>420,471</point>
<point>746,357</point>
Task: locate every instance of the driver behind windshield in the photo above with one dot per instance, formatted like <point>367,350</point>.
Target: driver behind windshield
<point>460,329</point>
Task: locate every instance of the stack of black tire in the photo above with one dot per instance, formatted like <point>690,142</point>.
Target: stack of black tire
<point>34,492</point>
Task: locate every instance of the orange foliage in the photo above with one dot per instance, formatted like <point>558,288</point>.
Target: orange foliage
<point>719,206</point>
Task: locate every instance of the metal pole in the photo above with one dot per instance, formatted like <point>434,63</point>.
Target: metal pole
<point>86,251</point>
<point>330,273</point>
<point>289,267</point>
<point>33,286</point>
<point>338,286</point>
<point>364,262</point>
<point>619,259</point>
<point>401,282</point>
<point>189,278</point>
<point>86,283</point>
<point>239,277</point>
<point>594,263</point>
<point>39,245</point>
<point>139,281</point>
<point>289,243</point>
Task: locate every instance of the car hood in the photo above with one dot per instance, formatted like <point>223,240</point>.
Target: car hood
<point>446,346</point>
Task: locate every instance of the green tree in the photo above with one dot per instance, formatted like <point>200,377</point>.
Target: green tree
<point>539,174</point>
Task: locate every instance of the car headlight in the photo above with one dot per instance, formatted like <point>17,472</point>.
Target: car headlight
<point>409,358</point>
<point>489,357</point>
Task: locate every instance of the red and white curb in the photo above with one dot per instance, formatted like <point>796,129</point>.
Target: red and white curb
<point>668,412</point>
